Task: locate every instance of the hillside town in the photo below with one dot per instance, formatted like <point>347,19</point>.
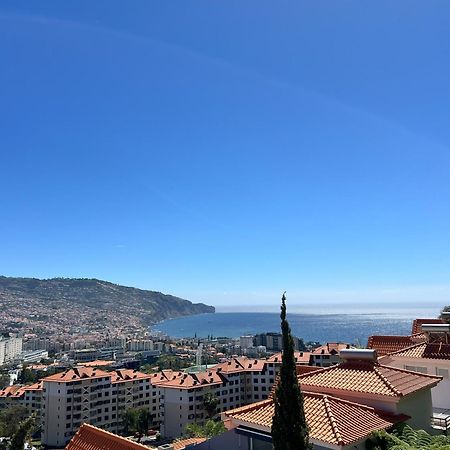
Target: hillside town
<point>89,393</point>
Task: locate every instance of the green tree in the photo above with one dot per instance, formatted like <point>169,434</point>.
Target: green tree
<point>210,429</point>
<point>144,422</point>
<point>10,419</point>
<point>22,434</point>
<point>27,376</point>
<point>4,380</point>
<point>210,403</point>
<point>289,428</point>
<point>137,420</point>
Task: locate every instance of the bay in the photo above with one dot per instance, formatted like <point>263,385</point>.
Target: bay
<point>350,328</point>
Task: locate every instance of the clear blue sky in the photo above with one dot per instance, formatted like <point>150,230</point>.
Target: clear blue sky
<point>226,151</point>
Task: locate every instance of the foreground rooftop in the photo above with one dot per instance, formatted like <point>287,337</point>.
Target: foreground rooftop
<point>368,377</point>
<point>331,420</point>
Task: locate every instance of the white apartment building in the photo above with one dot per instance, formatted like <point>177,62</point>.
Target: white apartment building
<point>140,345</point>
<point>89,395</point>
<point>246,342</point>
<point>175,399</point>
<point>10,347</point>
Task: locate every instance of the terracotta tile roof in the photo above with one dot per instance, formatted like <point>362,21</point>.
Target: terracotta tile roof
<point>389,344</point>
<point>300,357</point>
<point>417,324</point>
<point>240,364</point>
<point>124,375</point>
<point>301,370</point>
<point>165,375</point>
<point>34,387</point>
<point>191,380</point>
<point>231,366</point>
<point>89,437</point>
<point>77,373</point>
<point>330,419</point>
<point>426,350</point>
<point>252,365</point>
<point>12,391</point>
<point>181,444</point>
<point>331,348</point>
<point>367,377</point>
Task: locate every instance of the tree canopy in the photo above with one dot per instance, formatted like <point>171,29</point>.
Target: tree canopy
<point>404,437</point>
<point>210,429</point>
<point>137,420</point>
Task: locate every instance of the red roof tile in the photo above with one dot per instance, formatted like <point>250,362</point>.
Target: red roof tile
<point>190,380</point>
<point>300,357</point>
<point>77,373</point>
<point>15,390</point>
<point>124,375</point>
<point>330,419</point>
<point>389,344</point>
<point>417,324</point>
<point>426,350</point>
<point>367,377</point>
<point>331,348</point>
<point>181,444</point>
<point>240,364</point>
<point>89,437</point>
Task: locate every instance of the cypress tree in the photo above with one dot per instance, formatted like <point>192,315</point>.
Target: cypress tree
<point>289,428</point>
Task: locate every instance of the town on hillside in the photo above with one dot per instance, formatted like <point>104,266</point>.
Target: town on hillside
<point>155,392</point>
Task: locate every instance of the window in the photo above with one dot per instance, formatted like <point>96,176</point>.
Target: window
<point>442,372</point>
<point>416,369</point>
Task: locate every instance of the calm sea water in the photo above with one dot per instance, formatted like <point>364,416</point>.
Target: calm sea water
<point>353,328</point>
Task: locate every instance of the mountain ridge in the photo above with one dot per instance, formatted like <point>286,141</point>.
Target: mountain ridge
<point>35,302</point>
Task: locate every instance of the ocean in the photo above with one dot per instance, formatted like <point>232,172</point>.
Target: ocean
<point>350,327</point>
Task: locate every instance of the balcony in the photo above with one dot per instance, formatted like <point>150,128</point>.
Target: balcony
<point>440,420</point>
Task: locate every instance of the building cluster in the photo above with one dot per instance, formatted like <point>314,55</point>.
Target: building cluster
<point>396,379</point>
<point>89,394</point>
<point>343,405</point>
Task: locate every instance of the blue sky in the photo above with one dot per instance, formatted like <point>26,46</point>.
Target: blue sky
<point>227,151</point>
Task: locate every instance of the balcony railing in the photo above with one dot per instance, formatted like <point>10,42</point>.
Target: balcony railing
<point>441,421</point>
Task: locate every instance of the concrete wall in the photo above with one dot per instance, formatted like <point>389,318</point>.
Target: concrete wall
<point>230,440</point>
<point>419,407</point>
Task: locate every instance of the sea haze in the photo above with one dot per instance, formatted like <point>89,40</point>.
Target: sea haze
<point>352,328</point>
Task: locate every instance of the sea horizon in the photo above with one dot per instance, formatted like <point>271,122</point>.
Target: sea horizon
<point>315,325</point>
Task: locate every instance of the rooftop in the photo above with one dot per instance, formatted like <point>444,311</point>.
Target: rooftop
<point>240,364</point>
<point>184,380</point>
<point>123,375</point>
<point>425,350</point>
<point>330,419</point>
<point>89,437</point>
<point>417,324</point>
<point>15,390</point>
<point>389,344</point>
<point>331,348</point>
<point>368,377</point>
<point>181,444</point>
<point>75,374</point>
<point>300,357</point>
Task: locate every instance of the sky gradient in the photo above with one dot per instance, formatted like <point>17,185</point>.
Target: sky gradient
<point>228,151</point>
